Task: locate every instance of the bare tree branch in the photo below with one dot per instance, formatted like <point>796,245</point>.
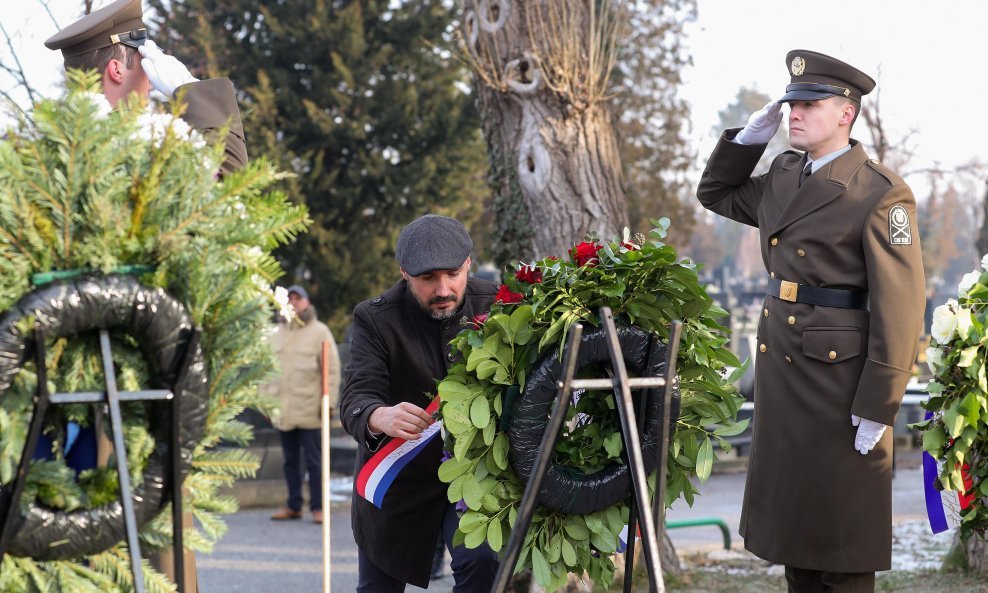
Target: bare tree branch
<point>20,75</point>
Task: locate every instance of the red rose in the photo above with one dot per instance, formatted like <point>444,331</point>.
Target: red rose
<point>480,320</point>
<point>585,254</point>
<point>530,274</point>
<point>507,297</point>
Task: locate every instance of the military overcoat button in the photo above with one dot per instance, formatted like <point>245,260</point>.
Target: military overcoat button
<point>356,412</point>
<point>771,274</point>
<point>377,301</point>
<point>792,320</point>
<point>763,348</point>
<point>765,312</point>
<point>788,359</point>
<point>832,355</point>
<point>800,253</point>
<point>451,356</point>
<point>775,241</point>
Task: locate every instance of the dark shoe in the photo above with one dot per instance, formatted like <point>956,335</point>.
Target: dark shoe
<point>317,516</point>
<point>286,514</point>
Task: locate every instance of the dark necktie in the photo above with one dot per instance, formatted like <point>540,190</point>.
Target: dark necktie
<point>807,170</point>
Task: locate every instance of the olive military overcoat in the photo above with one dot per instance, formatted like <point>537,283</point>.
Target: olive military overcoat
<point>399,353</point>
<point>811,500</point>
<point>209,105</point>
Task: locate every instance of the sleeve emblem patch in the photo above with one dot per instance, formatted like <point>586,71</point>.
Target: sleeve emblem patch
<point>899,232</point>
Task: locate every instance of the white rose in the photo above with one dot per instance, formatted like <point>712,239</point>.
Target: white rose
<point>944,322</point>
<point>967,282</point>
<point>281,297</point>
<point>98,100</point>
<point>934,358</point>
<point>984,262</point>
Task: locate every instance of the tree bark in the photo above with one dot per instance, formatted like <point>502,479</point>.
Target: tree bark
<point>976,550</point>
<point>555,165</point>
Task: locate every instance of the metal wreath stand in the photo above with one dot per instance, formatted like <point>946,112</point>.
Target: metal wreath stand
<point>10,504</point>
<point>652,519</point>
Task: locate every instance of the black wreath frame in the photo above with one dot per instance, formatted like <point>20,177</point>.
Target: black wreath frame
<point>566,489</point>
<point>163,329</point>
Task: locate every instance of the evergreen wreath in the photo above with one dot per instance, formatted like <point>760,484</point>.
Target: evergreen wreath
<point>86,187</point>
<point>646,286</point>
<point>956,434</point>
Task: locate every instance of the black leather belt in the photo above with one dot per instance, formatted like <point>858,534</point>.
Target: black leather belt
<point>811,295</point>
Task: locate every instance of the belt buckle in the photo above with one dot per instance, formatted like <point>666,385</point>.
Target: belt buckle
<point>788,290</point>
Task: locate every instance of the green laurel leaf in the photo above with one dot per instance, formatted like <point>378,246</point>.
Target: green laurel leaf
<point>480,412</point>
<point>540,568</point>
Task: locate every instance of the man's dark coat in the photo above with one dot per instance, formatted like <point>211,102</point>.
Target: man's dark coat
<point>399,353</point>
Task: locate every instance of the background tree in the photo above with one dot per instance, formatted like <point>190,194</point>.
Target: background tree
<point>363,102</point>
<point>653,122</point>
<point>542,78</point>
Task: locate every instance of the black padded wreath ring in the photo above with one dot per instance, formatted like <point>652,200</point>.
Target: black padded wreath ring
<point>569,490</point>
<point>163,329</point>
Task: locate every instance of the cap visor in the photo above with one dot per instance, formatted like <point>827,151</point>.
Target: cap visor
<point>134,43</point>
<point>805,96</point>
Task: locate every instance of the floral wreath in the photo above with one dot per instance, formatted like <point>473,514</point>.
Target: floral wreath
<point>645,285</point>
<point>956,434</point>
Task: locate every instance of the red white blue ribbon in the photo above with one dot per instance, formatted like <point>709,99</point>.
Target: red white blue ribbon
<point>937,499</point>
<point>380,471</point>
<point>622,543</point>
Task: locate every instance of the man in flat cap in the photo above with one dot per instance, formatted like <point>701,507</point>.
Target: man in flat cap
<point>114,42</point>
<point>838,332</point>
<point>400,350</point>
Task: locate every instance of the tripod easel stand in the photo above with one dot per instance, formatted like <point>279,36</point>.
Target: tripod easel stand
<point>652,519</point>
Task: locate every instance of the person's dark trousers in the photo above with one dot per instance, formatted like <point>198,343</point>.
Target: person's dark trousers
<point>801,580</point>
<point>295,445</point>
<point>473,570</point>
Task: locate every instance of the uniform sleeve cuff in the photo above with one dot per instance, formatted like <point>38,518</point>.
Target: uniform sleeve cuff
<point>880,392</point>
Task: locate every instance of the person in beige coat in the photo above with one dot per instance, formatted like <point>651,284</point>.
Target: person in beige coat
<point>838,332</point>
<point>298,346</point>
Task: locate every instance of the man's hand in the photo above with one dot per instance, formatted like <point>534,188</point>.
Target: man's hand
<point>762,125</point>
<point>405,421</point>
<point>869,433</point>
<point>165,72</point>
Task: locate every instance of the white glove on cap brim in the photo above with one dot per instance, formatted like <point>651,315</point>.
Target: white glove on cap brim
<point>762,125</point>
<point>165,72</point>
<point>869,433</point>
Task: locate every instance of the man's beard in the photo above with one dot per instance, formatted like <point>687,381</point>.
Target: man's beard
<point>440,314</point>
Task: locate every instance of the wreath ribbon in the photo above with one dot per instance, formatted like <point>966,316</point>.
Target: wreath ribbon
<point>935,498</point>
<point>381,470</point>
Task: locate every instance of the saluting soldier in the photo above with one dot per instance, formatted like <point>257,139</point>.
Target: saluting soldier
<point>838,332</point>
<point>114,41</point>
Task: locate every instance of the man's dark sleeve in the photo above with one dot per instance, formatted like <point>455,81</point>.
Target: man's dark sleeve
<point>366,379</point>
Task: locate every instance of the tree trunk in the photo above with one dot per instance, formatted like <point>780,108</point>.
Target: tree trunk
<point>976,550</point>
<point>555,164</point>
<point>982,242</point>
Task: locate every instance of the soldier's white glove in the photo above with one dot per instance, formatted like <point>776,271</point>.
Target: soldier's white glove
<point>762,125</point>
<point>869,433</point>
<point>165,72</point>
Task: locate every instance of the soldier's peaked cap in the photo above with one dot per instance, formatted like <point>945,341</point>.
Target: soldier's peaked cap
<point>118,22</point>
<point>817,76</point>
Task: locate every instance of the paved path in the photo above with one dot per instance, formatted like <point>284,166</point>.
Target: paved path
<point>262,556</point>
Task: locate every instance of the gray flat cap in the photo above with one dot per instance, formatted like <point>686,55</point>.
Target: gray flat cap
<point>432,242</point>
